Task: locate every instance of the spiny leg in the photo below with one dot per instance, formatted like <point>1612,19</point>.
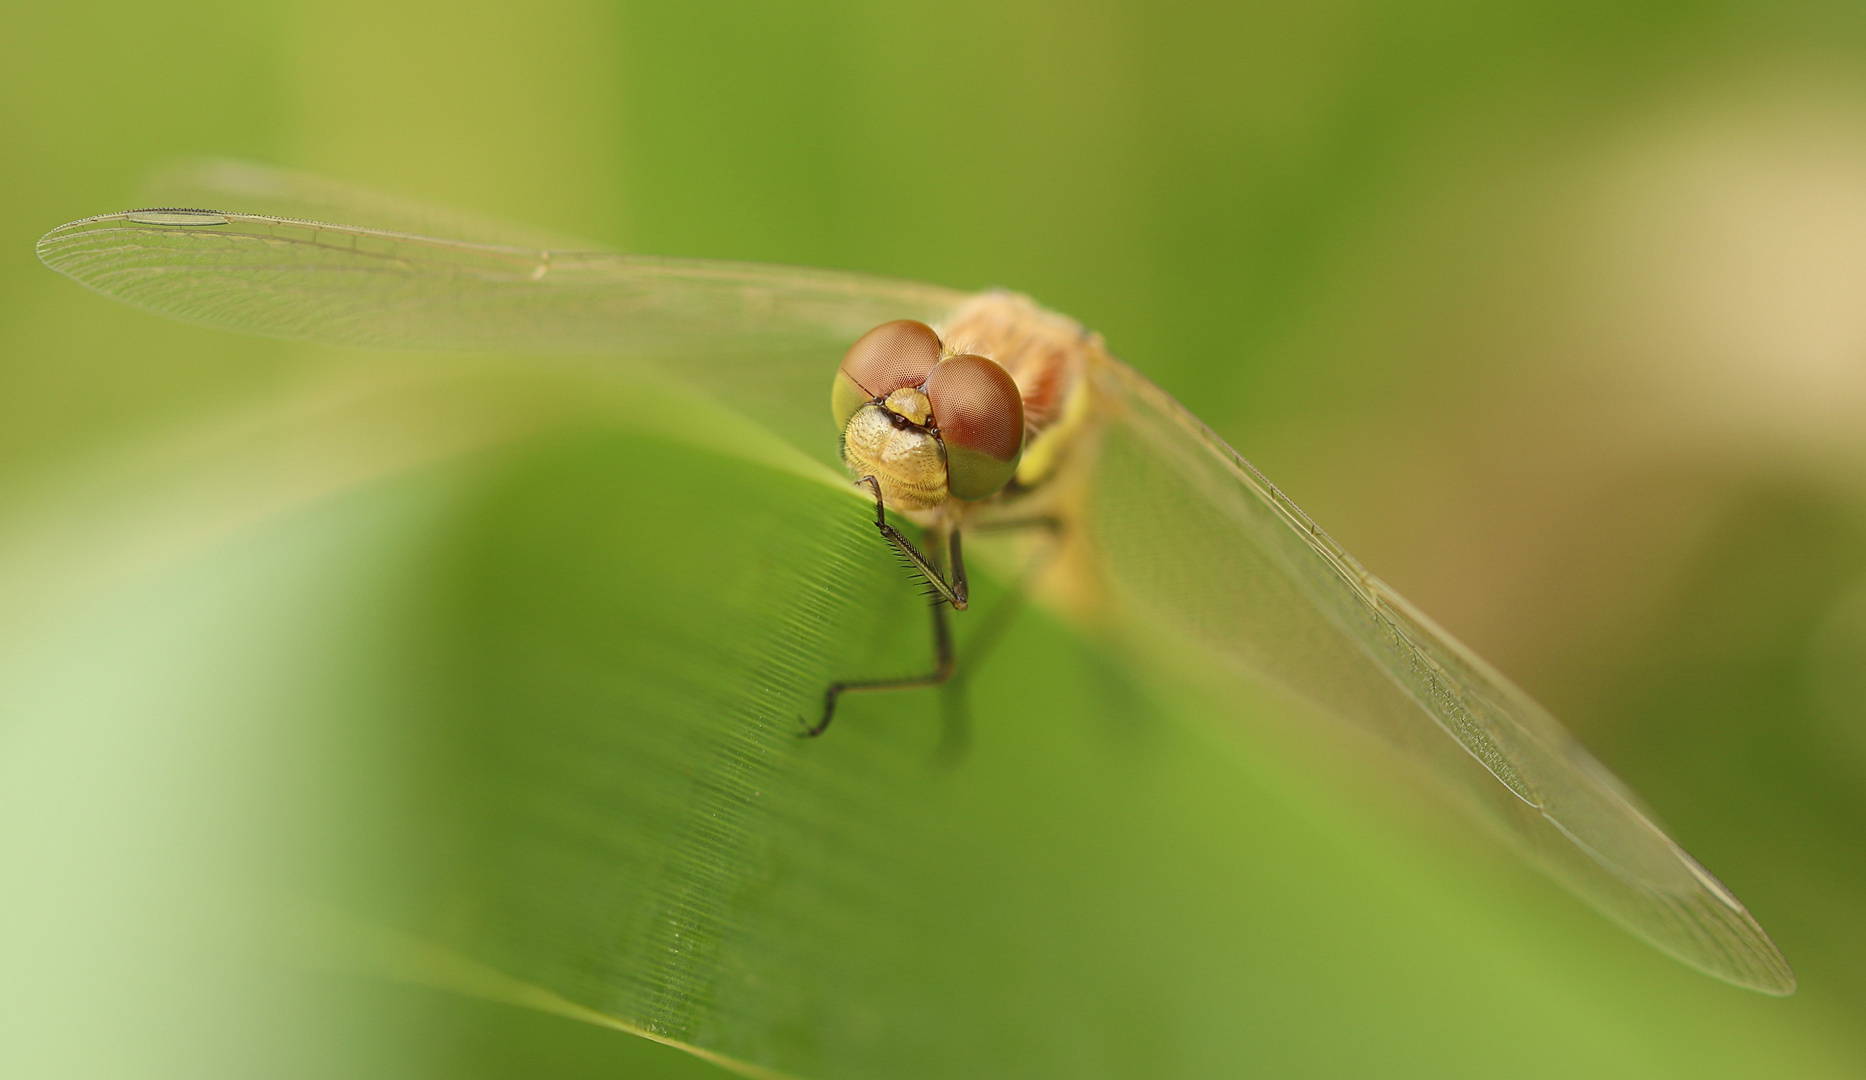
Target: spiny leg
<point>954,591</point>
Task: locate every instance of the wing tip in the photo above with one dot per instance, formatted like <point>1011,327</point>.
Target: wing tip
<point>1776,979</point>
<point>1785,988</point>
<point>1779,982</point>
<point>47,247</point>
<point>60,236</point>
<point>1745,958</point>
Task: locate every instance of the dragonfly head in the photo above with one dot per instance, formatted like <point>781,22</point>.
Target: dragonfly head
<point>927,426</point>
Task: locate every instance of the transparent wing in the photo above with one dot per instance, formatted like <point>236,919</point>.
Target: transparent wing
<point>373,288</point>
<point>287,193</point>
<point>372,278</point>
<point>1192,538</point>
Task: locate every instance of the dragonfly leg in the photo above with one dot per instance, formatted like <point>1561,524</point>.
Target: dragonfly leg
<point>942,671</point>
<point>953,705</point>
<point>952,592</point>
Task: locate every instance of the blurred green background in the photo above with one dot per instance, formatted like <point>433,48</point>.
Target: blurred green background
<point>1553,314</point>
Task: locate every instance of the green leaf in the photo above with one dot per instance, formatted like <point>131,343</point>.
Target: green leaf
<point>491,684</point>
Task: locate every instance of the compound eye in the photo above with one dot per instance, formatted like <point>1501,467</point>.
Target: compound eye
<point>980,416</point>
<point>892,355</point>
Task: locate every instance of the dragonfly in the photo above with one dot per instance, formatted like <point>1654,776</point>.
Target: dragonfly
<point>1163,522</point>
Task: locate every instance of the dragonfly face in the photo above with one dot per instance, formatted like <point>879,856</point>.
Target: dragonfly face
<point>928,427</point>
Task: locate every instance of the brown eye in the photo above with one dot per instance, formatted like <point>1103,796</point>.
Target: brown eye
<point>980,416</point>
<point>892,355</point>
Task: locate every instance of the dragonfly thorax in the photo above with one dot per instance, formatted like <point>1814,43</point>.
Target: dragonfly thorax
<point>902,455</point>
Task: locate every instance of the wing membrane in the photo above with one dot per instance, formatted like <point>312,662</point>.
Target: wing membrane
<point>287,193</point>
<point>375,288</point>
<point>1192,538</point>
